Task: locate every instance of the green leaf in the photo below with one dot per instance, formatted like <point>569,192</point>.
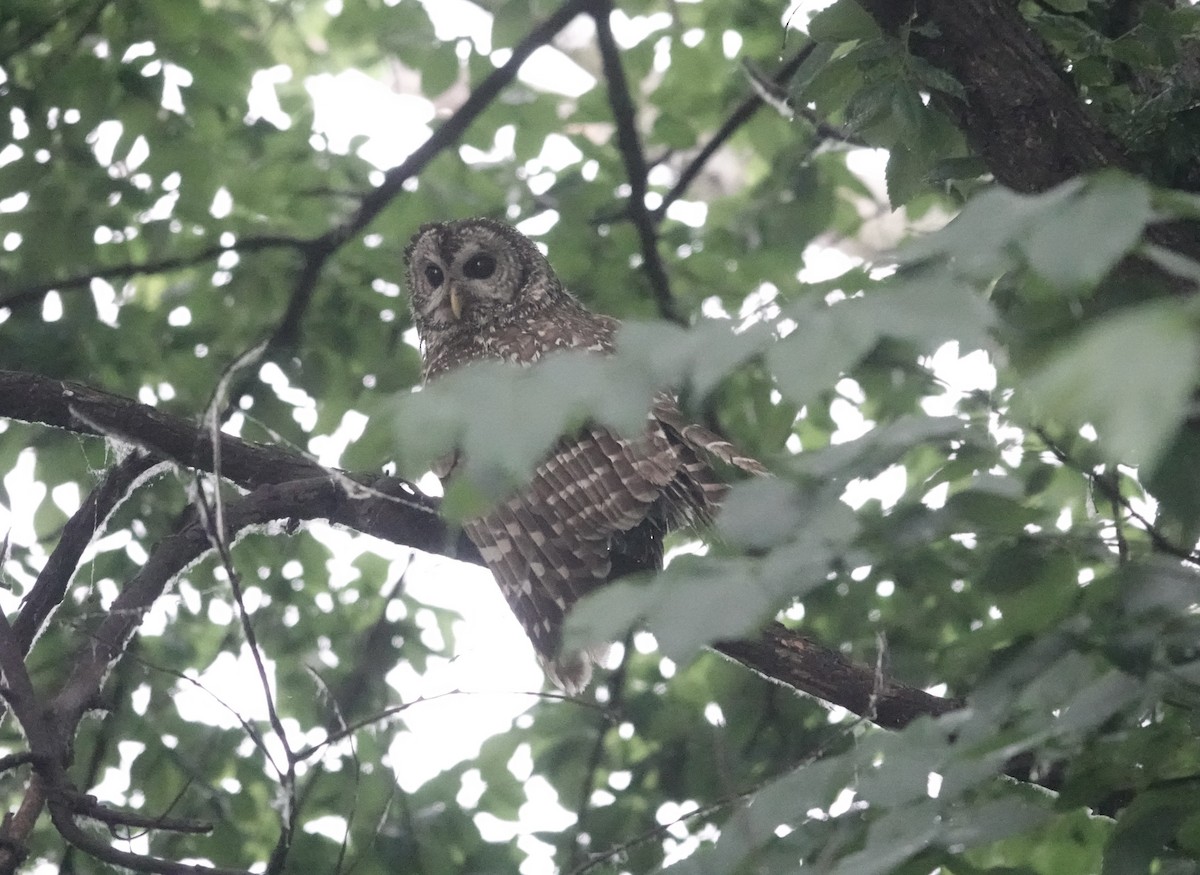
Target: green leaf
<point>907,175</point>
<point>1078,243</point>
<point>699,600</point>
<point>1136,402</point>
<point>841,22</point>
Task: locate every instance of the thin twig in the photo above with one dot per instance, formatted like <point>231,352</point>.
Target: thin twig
<point>742,114</point>
<point>1112,493</point>
<point>213,519</point>
<point>663,829</point>
<point>33,293</point>
<point>355,762</point>
<point>616,687</point>
<point>1118,517</point>
<point>251,730</point>
<point>50,587</point>
<point>392,711</point>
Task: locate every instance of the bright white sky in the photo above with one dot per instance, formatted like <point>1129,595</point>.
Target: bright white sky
<point>494,665</point>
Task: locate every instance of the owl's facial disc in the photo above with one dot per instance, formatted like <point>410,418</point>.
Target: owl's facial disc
<point>479,282</point>
<point>468,275</point>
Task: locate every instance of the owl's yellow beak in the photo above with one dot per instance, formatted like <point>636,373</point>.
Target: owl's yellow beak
<point>455,302</point>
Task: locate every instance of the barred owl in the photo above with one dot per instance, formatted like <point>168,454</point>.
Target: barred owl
<point>599,504</point>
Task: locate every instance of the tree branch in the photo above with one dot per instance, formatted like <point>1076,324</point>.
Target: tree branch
<point>89,806</point>
<point>64,821</point>
<point>50,587</point>
<point>741,114</point>
<point>456,125</point>
<point>385,507</point>
<point>82,409</point>
<point>630,147</point>
<point>609,717</point>
<point>33,293</point>
<point>1109,487</point>
<point>1020,112</point>
<point>782,655</point>
<point>319,250</point>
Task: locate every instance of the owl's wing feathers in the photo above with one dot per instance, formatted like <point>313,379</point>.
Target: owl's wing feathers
<point>556,540</point>
<point>599,504</point>
<point>552,542</point>
<point>701,439</point>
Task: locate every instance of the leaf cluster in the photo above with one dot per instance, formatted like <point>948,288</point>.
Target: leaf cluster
<point>981,428</point>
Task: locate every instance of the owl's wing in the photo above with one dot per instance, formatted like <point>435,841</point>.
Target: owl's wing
<point>552,543</point>
<point>598,501</point>
<point>704,442</point>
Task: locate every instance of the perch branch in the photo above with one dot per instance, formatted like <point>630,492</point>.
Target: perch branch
<point>385,507</point>
<point>782,655</point>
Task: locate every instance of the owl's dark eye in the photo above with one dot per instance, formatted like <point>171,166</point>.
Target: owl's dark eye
<point>433,273</point>
<point>479,266</point>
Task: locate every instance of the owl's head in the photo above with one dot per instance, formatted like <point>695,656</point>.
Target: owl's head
<point>473,273</point>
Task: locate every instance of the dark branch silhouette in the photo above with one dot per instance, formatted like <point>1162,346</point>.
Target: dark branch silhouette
<point>740,115</point>
<point>630,146</point>
<point>33,293</point>
<point>384,507</point>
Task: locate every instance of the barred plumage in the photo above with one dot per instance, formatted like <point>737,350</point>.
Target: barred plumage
<point>599,505</point>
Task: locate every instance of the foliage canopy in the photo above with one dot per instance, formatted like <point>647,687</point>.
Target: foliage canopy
<point>974,376</point>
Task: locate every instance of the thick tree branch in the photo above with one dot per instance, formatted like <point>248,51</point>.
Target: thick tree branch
<point>786,657</point>
<point>79,408</point>
<point>1020,114</point>
<point>387,507</point>
<point>384,507</point>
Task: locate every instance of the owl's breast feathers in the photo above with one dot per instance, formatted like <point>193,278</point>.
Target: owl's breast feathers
<point>598,505</point>
<point>523,342</point>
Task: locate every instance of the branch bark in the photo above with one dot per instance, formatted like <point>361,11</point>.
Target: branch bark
<point>629,144</point>
<point>1020,114</point>
<point>292,487</point>
<point>782,655</point>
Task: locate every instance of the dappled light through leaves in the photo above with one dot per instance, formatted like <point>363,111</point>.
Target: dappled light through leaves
<point>956,629</point>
